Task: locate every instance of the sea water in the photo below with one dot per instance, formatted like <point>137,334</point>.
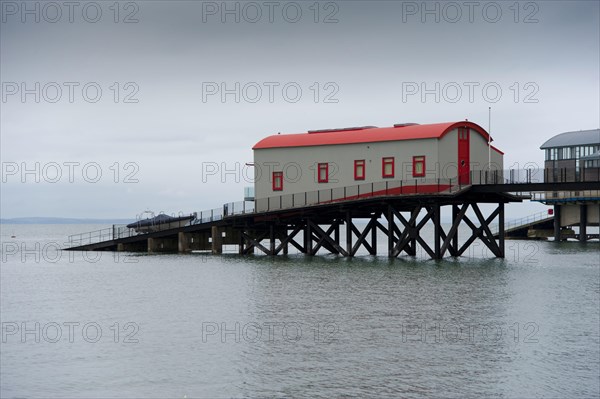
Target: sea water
<point>101,324</point>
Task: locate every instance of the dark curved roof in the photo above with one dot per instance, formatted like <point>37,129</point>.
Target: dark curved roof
<point>568,139</point>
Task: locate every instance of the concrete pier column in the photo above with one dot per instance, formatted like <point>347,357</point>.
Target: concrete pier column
<point>120,247</point>
<point>583,222</point>
<point>217,240</point>
<point>557,222</point>
<point>182,242</point>
<point>241,244</point>
<point>151,245</point>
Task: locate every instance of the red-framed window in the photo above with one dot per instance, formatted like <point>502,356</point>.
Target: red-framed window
<point>418,166</point>
<point>323,173</point>
<point>387,167</point>
<point>277,181</point>
<point>359,169</point>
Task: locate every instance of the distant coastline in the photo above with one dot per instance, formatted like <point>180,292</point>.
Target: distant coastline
<point>56,220</point>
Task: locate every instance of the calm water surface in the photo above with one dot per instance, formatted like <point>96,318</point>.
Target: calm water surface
<point>95,325</point>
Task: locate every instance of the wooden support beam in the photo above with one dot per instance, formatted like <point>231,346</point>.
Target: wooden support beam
<point>407,234</point>
<point>282,243</point>
<point>255,242</point>
<point>455,213</point>
<point>308,239</point>
<point>411,234</point>
<point>437,231</point>
<point>476,232</point>
<point>403,233</point>
<point>501,230</point>
<point>272,239</point>
<point>391,233</point>
<point>298,246</point>
<point>444,237</point>
<point>482,231</point>
<point>374,237</point>
<point>319,236</point>
<point>349,234</point>
<point>485,233</point>
<point>289,239</point>
<point>325,240</point>
<point>362,237</point>
<point>451,241</point>
<point>417,236</point>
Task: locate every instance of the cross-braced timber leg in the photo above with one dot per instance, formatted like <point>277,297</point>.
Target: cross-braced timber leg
<point>411,232</point>
<point>438,231</point>
<point>451,240</point>
<point>271,239</point>
<point>362,236</point>
<point>405,241</point>
<point>348,223</point>
<point>308,239</point>
<point>324,238</point>
<point>255,242</point>
<point>483,231</point>
<point>286,239</point>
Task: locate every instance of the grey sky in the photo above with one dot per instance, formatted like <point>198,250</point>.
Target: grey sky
<point>374,51</point>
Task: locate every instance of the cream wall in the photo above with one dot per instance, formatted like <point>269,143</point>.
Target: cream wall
<point>478,153</point>
<point>299,164</point>
<point>341,158</point>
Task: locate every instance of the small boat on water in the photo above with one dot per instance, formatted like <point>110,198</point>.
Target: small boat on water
<point>160,222</point>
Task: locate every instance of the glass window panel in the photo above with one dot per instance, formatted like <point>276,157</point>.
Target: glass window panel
<point>388,167</point>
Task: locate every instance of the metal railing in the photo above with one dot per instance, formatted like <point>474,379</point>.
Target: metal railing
<point>361,191</point>
<point>238,208</point>
<point>566,175</point>
<point>536,217</point>
<point>411,186</point>
<point>122,231</point>
<point>91,237</point>
<point>118,231</point>
<point>566,196</point>
<point>534,175</point>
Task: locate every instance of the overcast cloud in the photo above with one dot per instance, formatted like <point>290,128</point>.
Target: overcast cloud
<point>360,56</point>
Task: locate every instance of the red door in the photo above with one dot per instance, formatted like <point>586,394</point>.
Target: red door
<point>464,169</point>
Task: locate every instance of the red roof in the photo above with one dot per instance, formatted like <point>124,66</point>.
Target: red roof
<point>369,135</point>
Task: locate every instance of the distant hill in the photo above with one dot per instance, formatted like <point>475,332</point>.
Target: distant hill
<point>54,220</point>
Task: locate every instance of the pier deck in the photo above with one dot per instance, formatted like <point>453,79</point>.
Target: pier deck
<point>400,215</point>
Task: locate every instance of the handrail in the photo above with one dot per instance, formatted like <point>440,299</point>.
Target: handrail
<point>528,219</point>
<point>413,186</point>
<point>536,217</point>
<point>122,231</point>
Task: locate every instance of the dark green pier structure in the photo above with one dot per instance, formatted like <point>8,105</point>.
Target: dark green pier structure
<point>330,225</point>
